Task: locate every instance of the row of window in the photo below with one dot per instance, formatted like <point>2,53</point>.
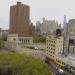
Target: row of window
<point>51,55</point>
<point>24,40</point>
<point>51,52</point>
<point>51,45</point>
<point>50,48</point>
<point>51,41</point>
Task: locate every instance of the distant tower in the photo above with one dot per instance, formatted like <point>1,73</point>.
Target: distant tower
<point>65,25</point>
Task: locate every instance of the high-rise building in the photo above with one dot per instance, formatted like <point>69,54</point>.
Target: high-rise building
<point>20,20</point>
<point>71,26</point>
<point>65,25</point>
<point>47,26</point>
<point>38,27</point>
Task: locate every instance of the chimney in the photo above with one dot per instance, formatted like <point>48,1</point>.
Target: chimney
<point>18,3</point>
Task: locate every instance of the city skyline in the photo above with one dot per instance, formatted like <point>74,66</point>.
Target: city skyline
<point>50,9</point>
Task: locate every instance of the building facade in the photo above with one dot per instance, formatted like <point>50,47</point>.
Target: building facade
<point>15,42</point>
<point>4,33</point>
<point>54,46</point>
<point>38,27</point>
<point>71,26</point>
<point>20,20</point>
<point>47,26</point>
<point>65,26</point>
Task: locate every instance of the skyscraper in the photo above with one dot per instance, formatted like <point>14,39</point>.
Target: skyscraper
<point>65,25</point>
<point>20,20</point>
<point>49,26</point>
<point>71,26</point>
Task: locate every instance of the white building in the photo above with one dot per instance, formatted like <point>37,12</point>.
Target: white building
<point>15,42</point>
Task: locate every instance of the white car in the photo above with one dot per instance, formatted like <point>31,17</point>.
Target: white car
<point>35,47</point>
<point>60,70</point>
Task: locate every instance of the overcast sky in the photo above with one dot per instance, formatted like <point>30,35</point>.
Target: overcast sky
<point>50,9</point>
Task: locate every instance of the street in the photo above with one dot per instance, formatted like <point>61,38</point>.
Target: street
<point>55,69</point>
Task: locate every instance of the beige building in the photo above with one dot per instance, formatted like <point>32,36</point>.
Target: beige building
<point>54,46</point>
<point>20,20</point>
<point>16,43</point>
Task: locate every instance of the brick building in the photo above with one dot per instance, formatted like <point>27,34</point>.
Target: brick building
<point>20,20</point>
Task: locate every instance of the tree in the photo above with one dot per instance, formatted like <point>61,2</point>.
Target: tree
<point>1,43</point>
<point>22,64</point>
<point>39,39</point>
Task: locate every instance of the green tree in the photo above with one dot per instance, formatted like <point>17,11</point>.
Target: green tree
<point>1,43</point>
<point>39,39</point>
<point>22,64</point>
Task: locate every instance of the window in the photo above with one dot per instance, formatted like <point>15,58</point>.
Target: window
<point>24,41</point>
<point>63,63</point>
<point>60,52</point>
<point>14,39</point>
<point>28,41</point>
<point>47,40</point>
<point>51,51</point>
<point>54,45</point>
<point>54,49</point>
<point>53,56</point>
<point>52,41</point>
<point>47,43</point>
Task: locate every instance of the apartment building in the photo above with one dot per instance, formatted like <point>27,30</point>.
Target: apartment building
<point>54,46</point>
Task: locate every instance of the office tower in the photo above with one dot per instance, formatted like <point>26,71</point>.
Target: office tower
<point>20,20</point>
<point>71,26</point>
<point>65,25</point>
<point>38,27</point>
<point>48,26</point>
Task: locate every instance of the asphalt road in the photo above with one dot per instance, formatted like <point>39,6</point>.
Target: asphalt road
<point>54,67</point>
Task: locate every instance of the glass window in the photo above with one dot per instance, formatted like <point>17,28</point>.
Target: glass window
<point>53,56</point>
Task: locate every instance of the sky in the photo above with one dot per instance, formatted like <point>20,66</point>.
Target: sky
<point>50,9</point>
